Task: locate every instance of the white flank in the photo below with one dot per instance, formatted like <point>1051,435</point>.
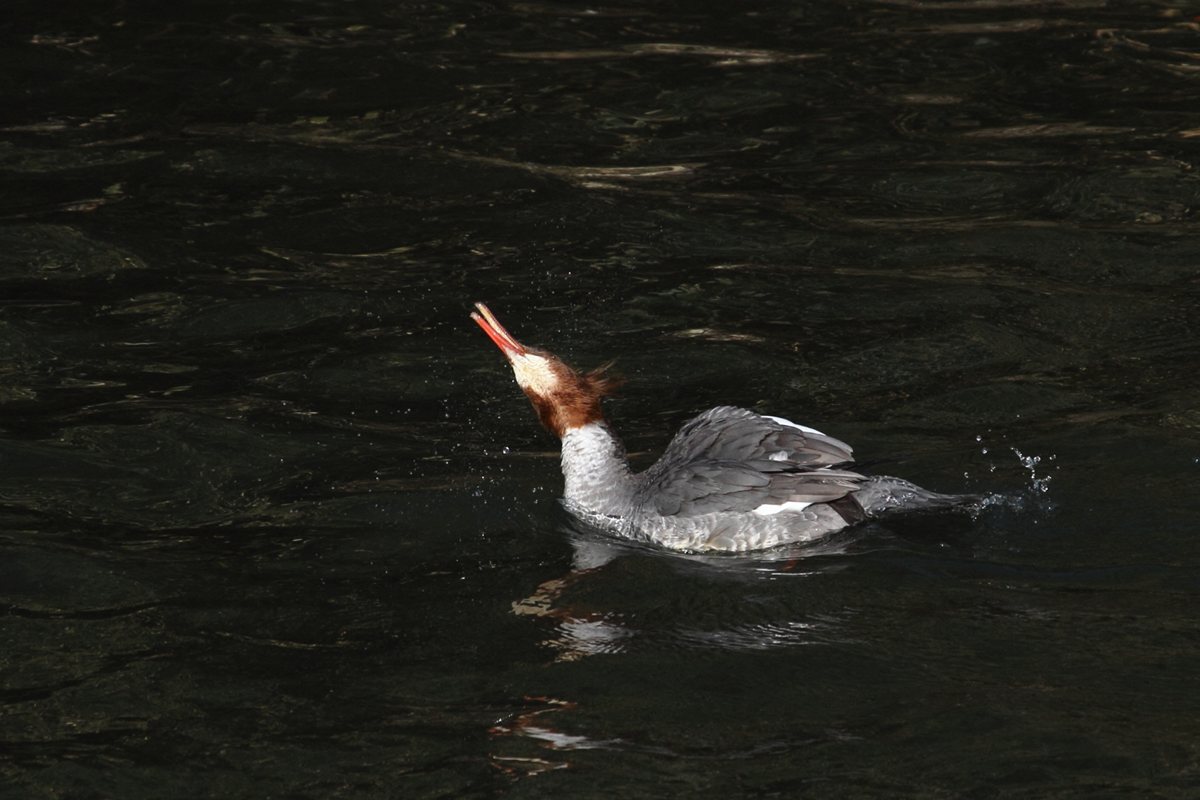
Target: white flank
<point>767,509</point>
<point>791,424</point>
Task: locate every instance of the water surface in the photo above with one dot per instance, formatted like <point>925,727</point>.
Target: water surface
<point>274,520</point>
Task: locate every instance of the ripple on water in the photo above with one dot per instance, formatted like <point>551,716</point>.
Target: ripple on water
<point>171,470</point>
<point>259,531</point>
<point>60,253</point>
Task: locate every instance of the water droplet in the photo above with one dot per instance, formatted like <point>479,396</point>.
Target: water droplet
<point>1041,484</point>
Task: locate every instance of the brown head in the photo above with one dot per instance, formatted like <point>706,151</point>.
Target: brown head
<point>563,398</point>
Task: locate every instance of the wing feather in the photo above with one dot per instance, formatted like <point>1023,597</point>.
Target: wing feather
<point>734,460</point>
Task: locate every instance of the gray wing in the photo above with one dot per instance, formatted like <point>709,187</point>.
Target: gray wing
<point>731,459</point>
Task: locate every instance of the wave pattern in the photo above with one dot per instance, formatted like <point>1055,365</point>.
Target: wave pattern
<point>273,520</point>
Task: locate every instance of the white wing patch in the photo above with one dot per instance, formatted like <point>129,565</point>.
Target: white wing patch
<point>767,509</point>
<point>791,424</point>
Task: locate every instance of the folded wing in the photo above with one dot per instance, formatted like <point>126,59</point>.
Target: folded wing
<point>733,460</point>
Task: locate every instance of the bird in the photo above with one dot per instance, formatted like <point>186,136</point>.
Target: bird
<point>731,480</point>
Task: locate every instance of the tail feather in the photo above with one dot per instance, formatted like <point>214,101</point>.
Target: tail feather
<point>884,495</point>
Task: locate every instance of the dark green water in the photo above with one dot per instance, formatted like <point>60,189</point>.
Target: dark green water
<point>275,521</point>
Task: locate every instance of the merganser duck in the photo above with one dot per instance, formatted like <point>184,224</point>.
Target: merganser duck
<point>731,480</point>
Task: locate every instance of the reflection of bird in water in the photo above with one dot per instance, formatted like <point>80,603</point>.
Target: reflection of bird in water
<point>531,724</point>
<point>577,635</point>
<point>578,628</point>
<point>731,480</point>
<point>577,632</point>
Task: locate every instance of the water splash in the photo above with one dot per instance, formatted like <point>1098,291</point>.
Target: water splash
<point>1034,495</point>
<point>1039,484</point>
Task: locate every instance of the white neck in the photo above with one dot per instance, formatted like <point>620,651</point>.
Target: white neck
<point>596,472</point>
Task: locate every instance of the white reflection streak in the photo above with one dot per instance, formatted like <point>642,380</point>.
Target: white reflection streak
<point>529,725</point>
